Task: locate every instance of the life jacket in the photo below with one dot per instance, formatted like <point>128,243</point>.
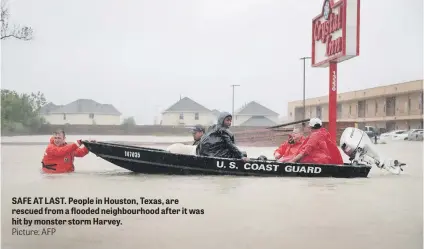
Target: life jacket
<point>60,159</point>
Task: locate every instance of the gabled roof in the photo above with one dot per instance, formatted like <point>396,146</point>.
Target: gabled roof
<point>187,105</point>
<point>253,108</point>
<point>258,121</point>
<point>46,109</point>
<point>215,112</point>
<point>86,106</point>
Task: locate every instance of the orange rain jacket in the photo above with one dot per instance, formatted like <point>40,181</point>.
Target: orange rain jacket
<point>334,152</point>
<point>320,149</point>
<point>288,150</point>
<point>315,149</point>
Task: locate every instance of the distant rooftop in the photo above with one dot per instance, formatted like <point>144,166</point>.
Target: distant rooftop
<point>80,106</point>
<point>258,121</point>
<point>187,105</point>
<point>253,108</point>
<point>46,109</point>
<point>215,112</point>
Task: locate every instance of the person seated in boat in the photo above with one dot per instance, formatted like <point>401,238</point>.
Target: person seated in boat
<point>219,140</point>
<point>333,149</point>
<point>318,147</point>
<point>198,131</point>
<point>59,155</point>
<point>290,147</point>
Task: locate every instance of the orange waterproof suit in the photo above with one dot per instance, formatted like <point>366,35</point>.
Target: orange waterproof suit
<point>315,149</point>
<point>60,159</point>
<point>288,150</point>
<point>334,152</point>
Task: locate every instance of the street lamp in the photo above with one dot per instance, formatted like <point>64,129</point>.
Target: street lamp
<point>304,80</point>
<point>233,86</point>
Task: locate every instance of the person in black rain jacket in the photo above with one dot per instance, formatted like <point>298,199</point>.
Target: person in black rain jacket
<point>219,141</point>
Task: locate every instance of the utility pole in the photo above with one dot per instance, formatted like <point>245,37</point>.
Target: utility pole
<point>233,86</point>
<point>304,83</point>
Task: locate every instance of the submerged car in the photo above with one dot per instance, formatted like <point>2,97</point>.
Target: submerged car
<point>415,135</point>
<point>394,135</point>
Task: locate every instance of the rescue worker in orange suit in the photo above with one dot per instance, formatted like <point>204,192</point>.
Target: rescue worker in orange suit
<point>290,147</point>
<point>333,149</point>
<point>318,147</point>
<point>59,155</point>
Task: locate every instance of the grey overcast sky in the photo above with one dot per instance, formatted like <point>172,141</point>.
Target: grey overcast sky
<point>140,55</point>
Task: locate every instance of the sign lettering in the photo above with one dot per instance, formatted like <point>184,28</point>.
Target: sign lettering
<point>323,31</point>
<point>221,165</point>
<point>132,154</point>
<point>269,167</point>
<point>303,169</point>
<point>334,47</point>
<point>248,166</point>
<point>334,82</point>
<point>335,32</point>
<point>261,166</point>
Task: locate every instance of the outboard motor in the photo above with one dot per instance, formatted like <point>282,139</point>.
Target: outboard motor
<point>361,151</point>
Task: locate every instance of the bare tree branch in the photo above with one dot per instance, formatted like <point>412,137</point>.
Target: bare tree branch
<point>18,32</point>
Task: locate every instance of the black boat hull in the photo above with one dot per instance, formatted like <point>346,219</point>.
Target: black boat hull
<point>156,161</point>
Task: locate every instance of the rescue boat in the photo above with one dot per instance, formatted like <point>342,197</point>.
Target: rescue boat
<point>156,161</point>
<point>354,143</point>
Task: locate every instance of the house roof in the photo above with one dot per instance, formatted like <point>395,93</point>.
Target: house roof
<point>253,108</point>
<point>215,112</point>
<point>187,105</point>
<point>46,109</point>
<point>86,106</point>
<point>258,121</point>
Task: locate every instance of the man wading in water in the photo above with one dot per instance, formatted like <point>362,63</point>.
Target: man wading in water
<point>59,155</point>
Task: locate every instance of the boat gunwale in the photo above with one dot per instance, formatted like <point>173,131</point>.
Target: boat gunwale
<point>166,165</point>
<point>161,151</point>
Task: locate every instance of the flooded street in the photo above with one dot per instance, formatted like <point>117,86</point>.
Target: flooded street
<point>382,211</point>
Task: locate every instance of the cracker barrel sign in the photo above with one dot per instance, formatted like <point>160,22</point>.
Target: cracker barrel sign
<point>335,38</point>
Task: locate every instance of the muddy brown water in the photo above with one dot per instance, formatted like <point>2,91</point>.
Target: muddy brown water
<point>382,211</point>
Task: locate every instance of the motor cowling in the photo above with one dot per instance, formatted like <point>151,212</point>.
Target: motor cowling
<point>356,144</point>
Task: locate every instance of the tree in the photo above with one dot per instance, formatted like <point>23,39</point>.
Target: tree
<point>130,121</point>
<point>20,112</point>
<point>128,124</point>
<point>15,31</point>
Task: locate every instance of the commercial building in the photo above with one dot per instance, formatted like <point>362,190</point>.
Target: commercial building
<point>397,106</point>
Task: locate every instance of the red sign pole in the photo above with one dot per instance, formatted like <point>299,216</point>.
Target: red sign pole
<point>332,102</point>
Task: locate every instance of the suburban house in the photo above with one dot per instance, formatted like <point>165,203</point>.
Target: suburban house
<point>187,112</point>
<point>215,114</point>
<point>255,114</point>
<point>81,112</point>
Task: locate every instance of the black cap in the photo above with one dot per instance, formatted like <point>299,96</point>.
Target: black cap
<point>197,128</point>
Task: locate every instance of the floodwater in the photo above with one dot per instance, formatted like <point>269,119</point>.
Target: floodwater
<point>382,211</point>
